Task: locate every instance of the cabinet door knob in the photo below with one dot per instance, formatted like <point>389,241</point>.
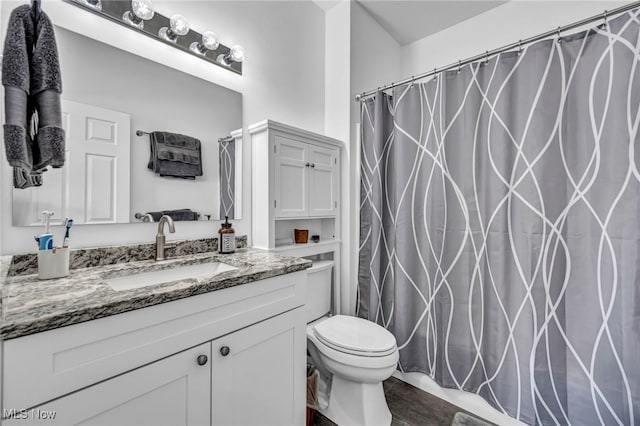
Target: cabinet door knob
<point>312,165</point>
<point>224,351</point>
<point>307,164</point>
<point>202,359</point>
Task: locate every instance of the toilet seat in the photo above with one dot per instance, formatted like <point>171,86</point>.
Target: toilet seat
<point>355,336</point>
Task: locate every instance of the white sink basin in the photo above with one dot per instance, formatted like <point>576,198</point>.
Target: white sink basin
<point>144,279</point>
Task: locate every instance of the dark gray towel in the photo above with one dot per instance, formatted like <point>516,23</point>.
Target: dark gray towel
<point>23,179</point>
<point>179,215</point>
<point>176,155</point>
<point>33,134</point>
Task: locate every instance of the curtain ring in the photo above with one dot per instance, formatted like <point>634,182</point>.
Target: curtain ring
<point>558,34</point>
<point>519,47</point>
<point>486,57</point>
<point>604,16</point>
<point>459,66</point>
<point>435,73</point>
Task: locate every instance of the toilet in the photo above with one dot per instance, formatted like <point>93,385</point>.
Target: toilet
<point>352,354</point>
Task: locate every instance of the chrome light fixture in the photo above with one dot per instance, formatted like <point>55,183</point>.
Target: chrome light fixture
<point>209,42</point>
<point>139,15</point>
<point>236,54</point>
<point>95,4</point>
<point>141,10</point>
<point>178,26</point>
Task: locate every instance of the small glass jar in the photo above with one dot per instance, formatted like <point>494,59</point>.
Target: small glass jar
<point>226,238</point>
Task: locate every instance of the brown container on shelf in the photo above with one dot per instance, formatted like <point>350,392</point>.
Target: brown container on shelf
<point>301,235</point>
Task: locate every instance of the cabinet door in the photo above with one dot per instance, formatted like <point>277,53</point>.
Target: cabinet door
<point>172,391</point>
<point>290,177</point>
<point>323,181</point>
<point>262,378</point>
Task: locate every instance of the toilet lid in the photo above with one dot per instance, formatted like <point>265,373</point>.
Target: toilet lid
<point>355,335</point>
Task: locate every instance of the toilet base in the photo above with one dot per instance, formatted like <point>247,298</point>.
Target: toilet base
<point>357,404</point>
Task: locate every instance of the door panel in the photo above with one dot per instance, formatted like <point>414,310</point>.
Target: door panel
<point>99,151</point>
<point>273,351</point>
<point>173,391</point>
<point>323,186</point>
<point>290,177</point>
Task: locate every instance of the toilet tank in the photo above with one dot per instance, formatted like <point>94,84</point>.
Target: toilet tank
<point>319,280</point>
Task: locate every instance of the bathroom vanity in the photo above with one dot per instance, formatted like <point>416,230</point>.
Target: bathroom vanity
<point>222,348</point>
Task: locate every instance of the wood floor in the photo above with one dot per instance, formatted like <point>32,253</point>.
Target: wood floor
<point>411,406</point>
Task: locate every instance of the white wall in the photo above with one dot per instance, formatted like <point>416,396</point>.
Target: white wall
<point>359,54</point>
<point>337,104</point>
<point>283,80</point>
<point>505,24</point>
<point>375,57</point>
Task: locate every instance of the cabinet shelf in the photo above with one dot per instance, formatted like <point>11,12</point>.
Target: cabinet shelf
<point>306,245</point>
<point>282,219</point>
<point>308,249</point>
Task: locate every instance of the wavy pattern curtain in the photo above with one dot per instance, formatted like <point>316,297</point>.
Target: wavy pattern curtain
<point>227,155</point>
<point>500,233</point>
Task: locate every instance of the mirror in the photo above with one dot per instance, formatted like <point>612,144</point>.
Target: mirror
<point>109,95</point>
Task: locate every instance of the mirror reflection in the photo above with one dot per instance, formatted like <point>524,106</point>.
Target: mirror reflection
<point>112,174</point>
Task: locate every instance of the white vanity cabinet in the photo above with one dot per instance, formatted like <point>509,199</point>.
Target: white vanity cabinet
<point>232,356</point>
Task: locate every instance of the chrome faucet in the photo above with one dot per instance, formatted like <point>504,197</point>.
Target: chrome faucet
<point>160,239</point>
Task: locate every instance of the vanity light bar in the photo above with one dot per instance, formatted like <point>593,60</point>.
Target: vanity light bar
<point>173,31</point>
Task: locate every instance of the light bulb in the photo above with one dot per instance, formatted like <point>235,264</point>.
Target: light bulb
<point>236,54</point>
<point>141,10</point>
<point>179,27</point>
<point>209,42</point>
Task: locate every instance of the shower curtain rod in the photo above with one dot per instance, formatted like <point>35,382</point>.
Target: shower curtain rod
<point>489,53</point>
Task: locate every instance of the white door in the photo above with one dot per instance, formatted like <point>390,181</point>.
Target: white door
<point>323,181</point>
<point>262,378</point>
<point>98,141</point>
<point>173,391</point>
<point>291,164</point>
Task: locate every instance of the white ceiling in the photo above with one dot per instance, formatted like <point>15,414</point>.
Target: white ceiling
<point>408,21</point>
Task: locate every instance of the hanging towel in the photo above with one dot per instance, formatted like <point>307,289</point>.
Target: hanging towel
<point>180,215</point>
<point>33,134</point>
<point>176,155</point>
<point>23,179</point>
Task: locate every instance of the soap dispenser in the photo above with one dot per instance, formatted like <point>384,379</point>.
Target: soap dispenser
<point>227,238</point>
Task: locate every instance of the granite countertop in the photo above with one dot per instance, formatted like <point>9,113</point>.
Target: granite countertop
<point>29,305</point>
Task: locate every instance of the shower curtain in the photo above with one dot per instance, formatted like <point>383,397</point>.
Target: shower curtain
<point>500,233</point>
<point>227,156</point>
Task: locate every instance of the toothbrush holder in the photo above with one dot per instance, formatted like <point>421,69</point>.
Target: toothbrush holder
<point>53,263</point>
